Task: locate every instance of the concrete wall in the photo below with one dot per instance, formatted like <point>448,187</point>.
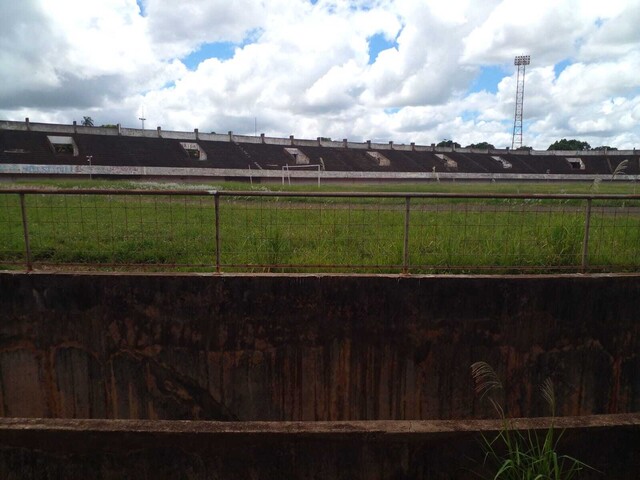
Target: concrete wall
<point>39,449</point>
<point>325,176</point>
<point>308,347</point>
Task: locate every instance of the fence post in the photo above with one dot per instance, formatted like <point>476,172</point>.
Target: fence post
<point>25,231</point>
<point>405,250</point>
<point>585,241</point>
<point>216,202</point>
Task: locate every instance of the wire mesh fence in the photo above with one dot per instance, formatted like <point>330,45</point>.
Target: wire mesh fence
<point>318,232</point>
<point>284,233</point>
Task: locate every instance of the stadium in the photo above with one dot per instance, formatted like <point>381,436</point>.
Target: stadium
<point>39,149</point>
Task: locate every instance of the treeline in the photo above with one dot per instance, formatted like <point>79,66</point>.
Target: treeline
<point>563,144</point>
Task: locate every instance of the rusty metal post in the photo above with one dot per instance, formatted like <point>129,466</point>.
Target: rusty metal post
<point>216,201</point>
<point>25,231</point>
<point>405,250</point>
<point>585,241</point>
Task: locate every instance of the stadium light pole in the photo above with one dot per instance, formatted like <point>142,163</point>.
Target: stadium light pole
<point>521,61</point>
<point>141,117</point>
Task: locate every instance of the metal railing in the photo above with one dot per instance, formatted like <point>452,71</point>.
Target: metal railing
<point>256,231</point>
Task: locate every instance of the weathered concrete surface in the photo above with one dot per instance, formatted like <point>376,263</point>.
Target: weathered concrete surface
<point>304,347</point>
<point>109,449</point>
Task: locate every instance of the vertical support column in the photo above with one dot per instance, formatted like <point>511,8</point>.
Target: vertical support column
<point>25,231</point>
<point>216,202</point>
<point>585,241</point>
<point>405,249</point>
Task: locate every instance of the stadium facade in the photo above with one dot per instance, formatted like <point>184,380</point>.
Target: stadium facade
<point>28,148</point>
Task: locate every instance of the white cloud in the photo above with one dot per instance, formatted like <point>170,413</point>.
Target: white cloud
<point>304,68</point>
<point>23,55</point>
<point>616,36</point>
<point>84,53</point>
<point>178,28</point>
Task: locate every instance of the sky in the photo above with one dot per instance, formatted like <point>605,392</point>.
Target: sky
<point>382,70</point>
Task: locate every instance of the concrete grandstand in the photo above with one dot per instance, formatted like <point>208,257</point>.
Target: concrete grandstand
<point>28,148</point>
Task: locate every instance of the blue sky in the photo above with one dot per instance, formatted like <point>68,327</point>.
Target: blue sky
<point>488,79</point>
<point>219,50</point>
<point>378,43</point>
<point>559,67</point>
<point>141,7</point>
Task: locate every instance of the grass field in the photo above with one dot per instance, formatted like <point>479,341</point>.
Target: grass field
<point>323,234</point>
<point>436,187</point>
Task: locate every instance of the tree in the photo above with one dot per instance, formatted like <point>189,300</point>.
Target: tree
<point>525,147</point>
<point>605,147</point>
<point>572,144</point>
<point>448,143</point>
<point>87,122</point>
<point>481,146</point>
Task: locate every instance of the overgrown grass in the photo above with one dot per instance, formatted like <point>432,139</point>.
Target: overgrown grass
<point>577,187</point>
<point>278,234</point>
<point>517,455</point>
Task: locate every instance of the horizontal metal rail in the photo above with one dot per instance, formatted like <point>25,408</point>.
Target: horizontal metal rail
<point>254,193</point>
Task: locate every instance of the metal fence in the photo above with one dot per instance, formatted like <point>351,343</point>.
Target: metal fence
<point>317,232</point>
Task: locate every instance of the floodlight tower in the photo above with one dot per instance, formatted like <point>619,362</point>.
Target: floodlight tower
<point>521,61</point>
<point>141,118</point>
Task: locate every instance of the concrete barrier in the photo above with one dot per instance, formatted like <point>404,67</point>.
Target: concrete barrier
<point>276,175</point>
<point>313,347</point>
<point>80,449</point>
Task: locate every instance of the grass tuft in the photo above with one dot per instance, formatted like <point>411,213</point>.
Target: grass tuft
<point>517,455</point>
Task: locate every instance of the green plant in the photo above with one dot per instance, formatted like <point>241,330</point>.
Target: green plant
<point>565,242</point>
<point>620,168</point>
<point>517,455</point>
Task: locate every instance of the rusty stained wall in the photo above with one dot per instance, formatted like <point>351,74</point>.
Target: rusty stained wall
<point>312,347</point>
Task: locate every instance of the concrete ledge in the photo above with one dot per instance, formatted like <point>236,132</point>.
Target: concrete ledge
<point>107,449</point>
<point>378,429</point>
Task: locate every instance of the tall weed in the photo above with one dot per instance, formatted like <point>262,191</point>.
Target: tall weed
<point>516,455</point>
